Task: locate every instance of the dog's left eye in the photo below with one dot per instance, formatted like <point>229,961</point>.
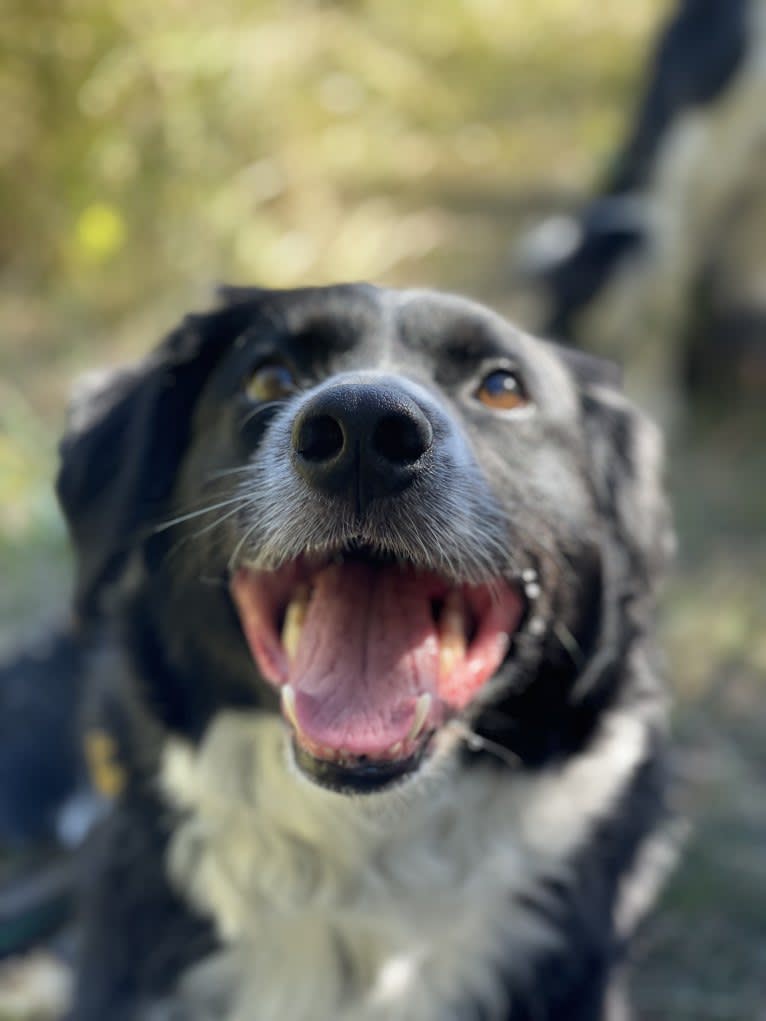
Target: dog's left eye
<point>502,391</point>
<point>270,383</point>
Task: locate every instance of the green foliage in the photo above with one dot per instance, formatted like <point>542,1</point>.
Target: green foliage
<point>153,147</point>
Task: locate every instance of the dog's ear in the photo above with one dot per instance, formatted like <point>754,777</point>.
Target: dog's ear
<point>626,463</point>
<point>126,435</point>
<point>626,454</point>
<point>587,369</point>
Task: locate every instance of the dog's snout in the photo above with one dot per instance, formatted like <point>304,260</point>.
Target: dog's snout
<point>359,442</point>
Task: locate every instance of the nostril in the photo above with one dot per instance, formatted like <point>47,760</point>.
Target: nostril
<point>401,439</point>
<point>319,438</point>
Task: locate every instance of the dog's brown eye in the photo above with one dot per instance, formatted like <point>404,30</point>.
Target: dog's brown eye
<point>270,383</point>
<point>502,391</point>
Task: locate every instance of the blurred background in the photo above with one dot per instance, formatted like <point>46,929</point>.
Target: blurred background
<point>149,151</point>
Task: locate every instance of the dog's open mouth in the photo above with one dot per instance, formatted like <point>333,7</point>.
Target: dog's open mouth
<point>371,657</point>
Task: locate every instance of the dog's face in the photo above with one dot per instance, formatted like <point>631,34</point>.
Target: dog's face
<point>390,514</point>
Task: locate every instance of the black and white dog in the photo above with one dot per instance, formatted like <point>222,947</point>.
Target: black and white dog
<point>381,568</point>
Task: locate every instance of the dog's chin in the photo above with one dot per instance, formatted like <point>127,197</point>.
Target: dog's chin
<point>373,659</point>
<point>358,776</point>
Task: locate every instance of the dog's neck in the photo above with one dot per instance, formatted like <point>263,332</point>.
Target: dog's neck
<point>331,907</point>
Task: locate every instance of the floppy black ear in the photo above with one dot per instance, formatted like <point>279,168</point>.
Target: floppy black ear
<point>626,453</point>
<point>626,456</point>
<point>126,436</point>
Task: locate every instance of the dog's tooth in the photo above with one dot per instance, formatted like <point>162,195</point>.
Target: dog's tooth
<point>288,705</point>
<point>453,626</point>
<point>395,749</point>
<point>422,709</point>
<point>295,615</point>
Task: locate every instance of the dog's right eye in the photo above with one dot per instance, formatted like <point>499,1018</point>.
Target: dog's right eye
<point>271,382</point>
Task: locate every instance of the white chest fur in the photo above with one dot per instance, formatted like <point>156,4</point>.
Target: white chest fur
<point>389,907</point>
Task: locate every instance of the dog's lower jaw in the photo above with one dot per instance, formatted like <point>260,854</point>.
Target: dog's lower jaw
<point>393,907</point>
<point>357,778</point>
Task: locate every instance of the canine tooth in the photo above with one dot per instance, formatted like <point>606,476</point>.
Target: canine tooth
<point>529,574</point>
<point>395,749</point>
<point>452,631</point>
<point>295,615</point>
<point>288,705</point>
<point>532,590</point>
<point>422,709</point>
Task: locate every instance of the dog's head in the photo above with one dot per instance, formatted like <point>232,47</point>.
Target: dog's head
<point>389,513</point>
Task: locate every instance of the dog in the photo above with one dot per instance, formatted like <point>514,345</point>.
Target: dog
<point>387,714</point>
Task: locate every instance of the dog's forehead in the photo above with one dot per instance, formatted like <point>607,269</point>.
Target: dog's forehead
<point>446,324</point>
<point>384,326</point>
<point>352,309</point>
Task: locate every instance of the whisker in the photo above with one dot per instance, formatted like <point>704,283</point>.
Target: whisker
<point>212,582</point>
<point>236,551</point>
<point>243,501</point>
<point>260,410</point>
<point>197,513</point>
<point>226,472</point>
<point>477,743</point>
<point>570,644</point>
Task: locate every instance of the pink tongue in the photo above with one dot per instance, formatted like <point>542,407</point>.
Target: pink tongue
<point>367,650</point>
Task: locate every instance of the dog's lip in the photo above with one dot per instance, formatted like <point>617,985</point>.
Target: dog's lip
<point>387,715</point>
<point>361,776</point>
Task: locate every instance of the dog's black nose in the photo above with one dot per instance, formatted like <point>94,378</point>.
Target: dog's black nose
<point>358,442</point>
